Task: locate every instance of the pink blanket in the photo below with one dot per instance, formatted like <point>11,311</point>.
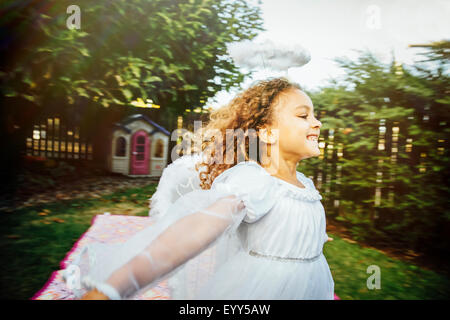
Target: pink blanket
<point>106,229</point>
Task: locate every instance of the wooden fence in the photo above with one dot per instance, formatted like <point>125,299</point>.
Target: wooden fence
<point>328,175</point>
<point>52,138</point>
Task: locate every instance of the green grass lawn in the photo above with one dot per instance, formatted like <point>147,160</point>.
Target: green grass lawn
<point>32,245</point>
<point>398,280</point>
<point>34,240</point>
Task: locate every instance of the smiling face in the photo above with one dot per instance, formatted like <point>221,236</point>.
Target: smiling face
<point>294,118</point>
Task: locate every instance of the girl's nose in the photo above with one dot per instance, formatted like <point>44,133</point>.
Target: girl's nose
<point>317,123</point>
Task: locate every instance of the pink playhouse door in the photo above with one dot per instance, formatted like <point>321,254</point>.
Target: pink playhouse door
<point>140,151</point>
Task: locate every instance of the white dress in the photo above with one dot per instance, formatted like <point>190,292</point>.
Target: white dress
<point>261,236</point>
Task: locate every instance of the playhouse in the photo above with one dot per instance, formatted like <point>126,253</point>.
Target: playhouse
<point>139,147</point>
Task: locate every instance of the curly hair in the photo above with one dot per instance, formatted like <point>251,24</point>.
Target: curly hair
<point>250,109</point>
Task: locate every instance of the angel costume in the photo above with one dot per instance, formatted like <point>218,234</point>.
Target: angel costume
<point>261,238</point>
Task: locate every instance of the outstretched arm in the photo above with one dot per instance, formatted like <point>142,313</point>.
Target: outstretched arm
<point>180,242</point>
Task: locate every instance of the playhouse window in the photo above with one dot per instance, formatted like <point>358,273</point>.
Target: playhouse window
<point>159,150</point>
<point>121,146</point>
<point>140,140</point>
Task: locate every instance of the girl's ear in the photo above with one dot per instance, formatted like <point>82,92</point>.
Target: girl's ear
<point>268,136</point>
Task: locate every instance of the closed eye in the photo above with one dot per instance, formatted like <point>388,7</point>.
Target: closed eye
<point>306,116</point>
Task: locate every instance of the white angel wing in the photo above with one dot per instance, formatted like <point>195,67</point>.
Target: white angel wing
<point>178,178</point>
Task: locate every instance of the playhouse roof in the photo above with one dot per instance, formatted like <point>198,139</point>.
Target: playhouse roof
<point>135,117</point>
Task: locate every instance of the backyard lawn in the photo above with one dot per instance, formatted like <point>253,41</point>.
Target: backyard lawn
<point>35,239</point>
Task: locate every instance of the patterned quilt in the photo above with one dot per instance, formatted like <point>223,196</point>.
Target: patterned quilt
<point>106,229</point>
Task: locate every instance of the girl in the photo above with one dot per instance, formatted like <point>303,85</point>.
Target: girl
<point>261,220</point>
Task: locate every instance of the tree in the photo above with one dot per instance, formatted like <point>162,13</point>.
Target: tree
<point>436,51</point>
<point>172,52</point>
<point>371,100</point>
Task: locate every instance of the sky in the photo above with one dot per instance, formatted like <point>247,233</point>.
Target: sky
<point>335,28</point>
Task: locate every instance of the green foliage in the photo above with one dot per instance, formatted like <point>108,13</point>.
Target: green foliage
<point>436,51</point>
<point>170,51</point>
<point>373,94</point>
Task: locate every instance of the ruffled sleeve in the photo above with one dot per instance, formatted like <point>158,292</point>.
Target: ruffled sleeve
<point>253,185</point>
<point>194,223</point>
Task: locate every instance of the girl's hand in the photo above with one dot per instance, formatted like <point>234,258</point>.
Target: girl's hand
<point>94,295</point>
<point>329,239</point>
